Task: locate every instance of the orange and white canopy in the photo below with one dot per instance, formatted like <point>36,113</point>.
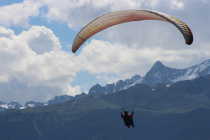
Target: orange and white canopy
<point>118,17</point>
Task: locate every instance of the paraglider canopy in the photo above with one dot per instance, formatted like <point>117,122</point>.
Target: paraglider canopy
<point>118,17</point>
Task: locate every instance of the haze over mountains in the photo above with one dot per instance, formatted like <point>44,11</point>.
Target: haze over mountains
<point>158,74</point>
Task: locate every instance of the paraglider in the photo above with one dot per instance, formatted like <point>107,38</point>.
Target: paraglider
<point>110,19</point>
<point>128,118</point>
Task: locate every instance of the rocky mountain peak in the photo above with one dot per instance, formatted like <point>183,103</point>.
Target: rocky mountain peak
<point>119,85</point>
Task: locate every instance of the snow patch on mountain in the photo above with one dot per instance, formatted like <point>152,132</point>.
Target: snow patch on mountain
<point>5,106</point>
<point>115,87</point>
<point>160,73</point>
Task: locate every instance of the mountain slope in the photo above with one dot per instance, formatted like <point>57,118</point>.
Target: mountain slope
<point>180,111</point>
<point>106,125</point>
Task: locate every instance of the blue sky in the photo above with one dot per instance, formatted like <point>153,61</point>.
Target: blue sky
<point>36,38</point>
<point>8,2</point>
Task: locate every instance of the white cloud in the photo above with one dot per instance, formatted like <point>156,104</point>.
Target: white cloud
<point>12,56</point>
<point>19,13</point>
<point>37,40</point>
<point>72,90</point>
<point>78,12</point>
<point>4,32</point>
<point>28,75</point>
<point>177,4</point>
<point>110,62</point>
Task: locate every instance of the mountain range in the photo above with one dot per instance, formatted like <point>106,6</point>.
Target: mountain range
<point>158,74</point>
<point>179,111</point>
<point>172,109</point>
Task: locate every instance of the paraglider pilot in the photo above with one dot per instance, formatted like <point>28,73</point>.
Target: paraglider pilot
<point>128,118</point>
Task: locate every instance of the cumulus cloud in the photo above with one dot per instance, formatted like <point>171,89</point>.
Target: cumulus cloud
<point>19,13</point>
<point>5,32</point>
<point>78,12</point>
<point>37,40</point>
<point>29,72</point>
<point>111,62</point>
<point>177,4</point>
